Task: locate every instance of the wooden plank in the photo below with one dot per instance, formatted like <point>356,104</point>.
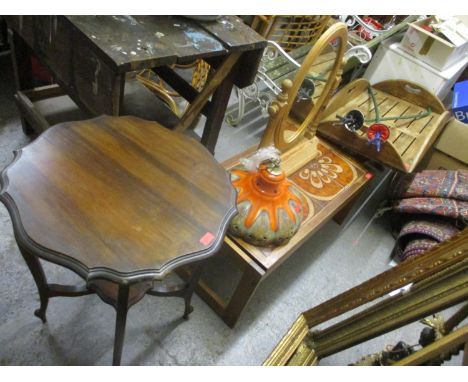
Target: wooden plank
<point>230,248</point>
<point>87,79</point>
<point>246,69</point>
<point>91,83</point>
<point>196,106</point>
<point>175,81</point>
<point>465,355</point>
<point>143,42</point>
<point>403,141</point>
<point>425,141</point>
<point>361,102</point>
<point>358,144</point>
<point>215,118</point>
<point>44,92</point>
<point>31,118</point>
<point>234,34</point>
<point>412,93</point>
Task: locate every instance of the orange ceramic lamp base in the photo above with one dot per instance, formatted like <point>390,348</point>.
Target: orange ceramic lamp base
<point>270,207</point>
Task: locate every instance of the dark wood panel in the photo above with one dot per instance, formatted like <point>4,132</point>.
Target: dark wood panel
<point>235,34</point>
<point>140,42</point>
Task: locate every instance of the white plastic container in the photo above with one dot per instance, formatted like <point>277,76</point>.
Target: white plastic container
<point>390,62</point>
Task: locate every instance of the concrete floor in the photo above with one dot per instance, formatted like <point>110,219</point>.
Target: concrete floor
<point>80,331</point>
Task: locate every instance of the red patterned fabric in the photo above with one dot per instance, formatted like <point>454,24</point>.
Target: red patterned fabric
<point>416,247</point>
<point>433,200</point>
<point>435,229</point>
<point>417,236</point>
<point>432,183</point>
<point>434,192</point>
<point>450,208</point>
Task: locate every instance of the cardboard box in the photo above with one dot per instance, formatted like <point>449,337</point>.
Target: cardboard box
<point>437,160</point>
<point>449,151</point>
<point>453,140</point>
<point>460,101</point>
<point>432,49</point>
<point>391,62</point>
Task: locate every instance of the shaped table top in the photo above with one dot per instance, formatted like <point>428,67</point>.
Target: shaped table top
<point>117,198</point>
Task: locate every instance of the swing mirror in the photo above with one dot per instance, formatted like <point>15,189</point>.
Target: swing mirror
<point>311,88</point>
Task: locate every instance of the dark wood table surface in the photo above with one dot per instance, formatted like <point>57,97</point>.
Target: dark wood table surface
<point>121,202</point>
<point>90,55</point>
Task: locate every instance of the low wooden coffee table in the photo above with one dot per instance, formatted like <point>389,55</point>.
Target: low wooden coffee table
<point>330,183</point>
<point>121,202</point>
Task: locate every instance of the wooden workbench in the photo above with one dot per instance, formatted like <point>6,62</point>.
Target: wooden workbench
<point>89,57</point>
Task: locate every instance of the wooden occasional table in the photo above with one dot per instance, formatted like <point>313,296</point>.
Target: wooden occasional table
<point>329,194</point>
<point>89,57</point>
<point>121,202</point>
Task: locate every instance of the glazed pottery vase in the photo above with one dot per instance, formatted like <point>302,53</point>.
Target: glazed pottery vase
<point>270,208</point>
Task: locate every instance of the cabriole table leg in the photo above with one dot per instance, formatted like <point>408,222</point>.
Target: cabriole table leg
<point>188,293</point>
<point>121,320</point>
<point>40,279</point>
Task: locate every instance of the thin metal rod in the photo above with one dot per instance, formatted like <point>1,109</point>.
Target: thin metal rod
<point>376,108</point>
<point>378,118</point>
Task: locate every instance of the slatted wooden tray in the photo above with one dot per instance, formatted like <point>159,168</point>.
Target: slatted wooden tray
<point>409,138</point>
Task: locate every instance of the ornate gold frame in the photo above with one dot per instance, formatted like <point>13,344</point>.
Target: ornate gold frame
<point>439,279</point>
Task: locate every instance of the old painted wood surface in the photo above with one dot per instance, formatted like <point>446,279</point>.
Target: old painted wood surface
<point>141,42</point>
<point>89,55</point>
<point>117,197</point>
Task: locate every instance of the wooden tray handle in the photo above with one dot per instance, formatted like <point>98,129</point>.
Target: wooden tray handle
<point>411,92</point>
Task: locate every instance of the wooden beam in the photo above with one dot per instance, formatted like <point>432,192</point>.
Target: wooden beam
<point>197,105</point>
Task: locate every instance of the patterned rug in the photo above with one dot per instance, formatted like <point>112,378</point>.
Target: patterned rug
<point>417,236</point>
<point>434,204</point>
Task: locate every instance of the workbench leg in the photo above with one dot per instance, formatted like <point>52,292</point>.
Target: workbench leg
<point>243,293</point>
<point>22,70</point>
<point>214,121</point>
<point>21,59</point>
<point>118,90</point>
